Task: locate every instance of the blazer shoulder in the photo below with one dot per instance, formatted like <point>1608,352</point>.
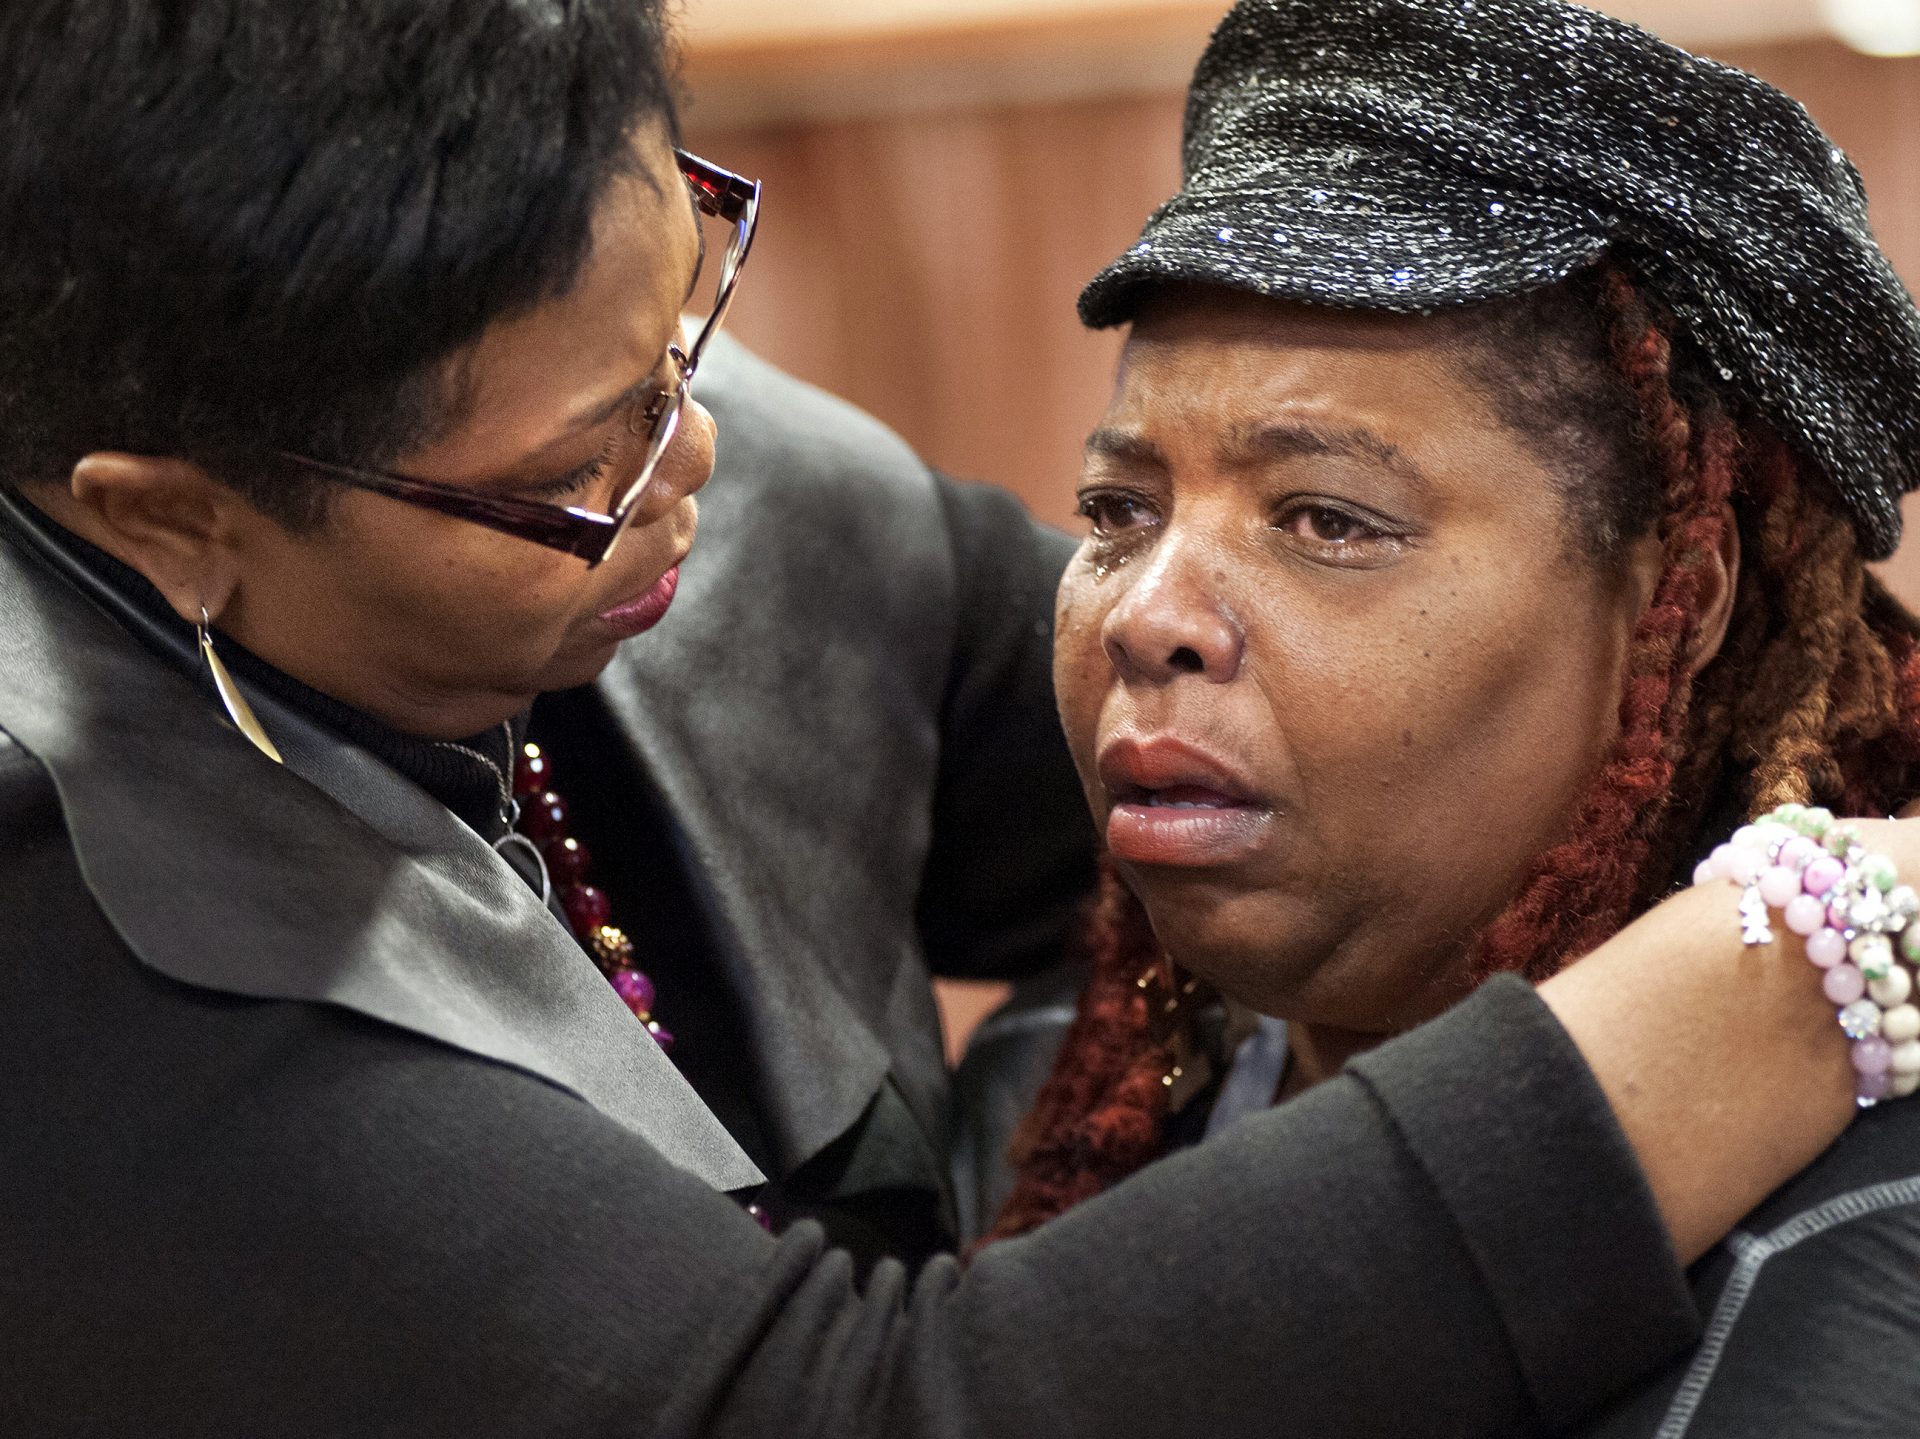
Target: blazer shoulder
<point>801,477</point>
<point>777,430</point>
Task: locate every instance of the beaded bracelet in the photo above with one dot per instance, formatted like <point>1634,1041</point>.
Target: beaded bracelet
<point>1855,916</point>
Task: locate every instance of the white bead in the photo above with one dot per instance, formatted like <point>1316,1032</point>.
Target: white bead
<point>1906,1057</point>
<point>1905,1084</point>
<point>1748,836</point>
<point>1871,951</point>
<point>1900,1024</point>
<point>1861,1019</point>
<point>1894,990</point>
<point>1703,873</point>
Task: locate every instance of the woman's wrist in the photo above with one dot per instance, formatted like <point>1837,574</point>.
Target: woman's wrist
<point>1720,1058</point>
<point>1801,869</point>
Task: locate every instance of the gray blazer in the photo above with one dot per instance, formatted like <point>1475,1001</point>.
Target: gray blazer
<point>312,1121</point>
<point>849,717</point>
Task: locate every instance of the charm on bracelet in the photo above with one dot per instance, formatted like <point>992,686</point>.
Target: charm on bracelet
<point>1856,919</point>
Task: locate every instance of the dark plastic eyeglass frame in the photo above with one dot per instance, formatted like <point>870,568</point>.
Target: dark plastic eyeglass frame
<point>589,534</point>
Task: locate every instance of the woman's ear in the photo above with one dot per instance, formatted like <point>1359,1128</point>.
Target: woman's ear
<point>1719,580</point>
<point>1719,583</point>
<point>169,519</point>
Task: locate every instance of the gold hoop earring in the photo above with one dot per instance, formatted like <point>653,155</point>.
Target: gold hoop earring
<point>238,710</point>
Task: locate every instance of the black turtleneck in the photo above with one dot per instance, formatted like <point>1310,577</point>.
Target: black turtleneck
<point>472,777</point>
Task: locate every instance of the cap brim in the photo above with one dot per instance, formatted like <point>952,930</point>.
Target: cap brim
<point>1294,238</point>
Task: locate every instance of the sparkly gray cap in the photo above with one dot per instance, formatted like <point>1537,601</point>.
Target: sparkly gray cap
<point>1408,154</point>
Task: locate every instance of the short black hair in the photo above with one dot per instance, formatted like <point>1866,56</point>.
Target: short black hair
<point>234,226</point>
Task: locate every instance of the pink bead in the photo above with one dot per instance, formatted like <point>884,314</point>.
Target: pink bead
<point>1826,947</point>
<point>1744,865</point>
<point>1872,1056</point>
<point>1872,1088</point>
<point>1722,860</point>
<point>636,989</point>
<point>1821,875</point>
<point>1703,873</point>
<point>1837,915</point>
<point>1805,914</point>
<point>1778,886</point>
<point>1844,984</point>
<point>1795,853</point>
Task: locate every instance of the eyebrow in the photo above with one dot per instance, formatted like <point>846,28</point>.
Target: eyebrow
<point>1254,444</point>
<point>1106,443</point>
<point>1298,440</point>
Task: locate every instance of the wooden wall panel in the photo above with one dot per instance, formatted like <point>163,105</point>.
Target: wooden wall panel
<point>926,268</point>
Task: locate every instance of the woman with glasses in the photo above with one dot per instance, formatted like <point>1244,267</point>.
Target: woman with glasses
<point>345,409</point>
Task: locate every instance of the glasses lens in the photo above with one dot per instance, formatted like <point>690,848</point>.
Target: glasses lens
<point>666,424</point>
<point>727,243</point>
<point>724,246</point>
<point>730,267</point>
<point>718,270</point>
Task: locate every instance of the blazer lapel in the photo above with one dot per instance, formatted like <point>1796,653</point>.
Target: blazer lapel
<point>799,765</point>
<point>331,879</point>
<point>818,1059</point>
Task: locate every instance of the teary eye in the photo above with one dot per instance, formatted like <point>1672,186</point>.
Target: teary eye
<point>1326,524</point>
<point>1333,533</point>
<point>1115,511</point>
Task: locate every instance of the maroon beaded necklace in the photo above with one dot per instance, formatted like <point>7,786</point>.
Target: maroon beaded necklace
<point>542,817</point>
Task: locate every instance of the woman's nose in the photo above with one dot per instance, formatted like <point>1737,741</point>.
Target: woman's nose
<point>686,466</point>
<point>1172,621</point>
<point>688,462</point>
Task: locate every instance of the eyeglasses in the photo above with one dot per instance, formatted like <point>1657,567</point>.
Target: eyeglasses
<point>654,417</point>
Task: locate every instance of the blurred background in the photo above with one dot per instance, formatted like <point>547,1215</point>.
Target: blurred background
<point>943,175</point>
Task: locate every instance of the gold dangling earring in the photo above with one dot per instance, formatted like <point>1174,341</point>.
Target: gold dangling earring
<point>1164,985</point>
<point>238,710</point>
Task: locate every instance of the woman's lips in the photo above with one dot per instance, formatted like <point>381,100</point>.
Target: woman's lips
<point>1185,827</point>
<point>637,616</point>
<point>1175,804</point>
